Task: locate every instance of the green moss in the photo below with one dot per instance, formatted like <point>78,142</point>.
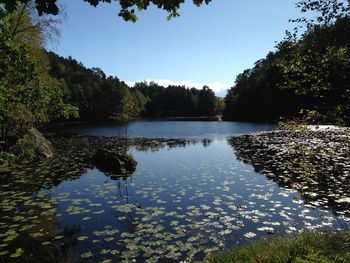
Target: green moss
<point>5,157</point>
<point>25,149</point>
<point>305,248</point>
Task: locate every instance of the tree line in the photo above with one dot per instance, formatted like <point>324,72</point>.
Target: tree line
<point>305,78</point>
<point>99,97</point>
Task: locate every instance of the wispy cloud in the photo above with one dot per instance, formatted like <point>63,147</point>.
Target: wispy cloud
<point>219,88</point>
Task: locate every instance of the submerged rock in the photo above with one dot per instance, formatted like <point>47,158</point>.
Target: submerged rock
<point>114,162</point>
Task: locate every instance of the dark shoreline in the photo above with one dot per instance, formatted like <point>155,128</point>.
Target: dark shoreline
<point>97,122</point>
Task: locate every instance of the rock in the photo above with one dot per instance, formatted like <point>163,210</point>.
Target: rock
<point>34,141</point>
<point>111,161</point>
<point>128,162</point>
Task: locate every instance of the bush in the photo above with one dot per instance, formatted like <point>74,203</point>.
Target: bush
<point>305,248</point>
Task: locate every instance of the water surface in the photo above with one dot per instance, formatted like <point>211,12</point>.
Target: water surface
<point>176,129</point>
<point>182,203</point>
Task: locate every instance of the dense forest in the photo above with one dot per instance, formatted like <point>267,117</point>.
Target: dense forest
<point>304,78</point>
<point>99,97</point>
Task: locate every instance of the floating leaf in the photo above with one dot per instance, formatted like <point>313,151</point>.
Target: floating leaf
<point>38,234</point>
<point>82,238</point>
<point>86,254</point>
<point>104,251</point>
<point>249,235</point>
<point>18,253</point>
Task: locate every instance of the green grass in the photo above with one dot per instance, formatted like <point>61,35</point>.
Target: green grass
<point>308,247</point>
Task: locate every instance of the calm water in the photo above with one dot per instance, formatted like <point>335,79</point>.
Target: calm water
<point>177,129</point>
<point>180,204</point>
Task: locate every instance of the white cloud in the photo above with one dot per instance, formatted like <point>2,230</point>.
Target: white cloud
<point>218,87</point>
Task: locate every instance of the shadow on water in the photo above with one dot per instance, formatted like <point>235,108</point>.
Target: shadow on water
<point>30,229</point>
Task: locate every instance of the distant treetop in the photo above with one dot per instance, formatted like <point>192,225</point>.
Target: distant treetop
<point>127,11</point>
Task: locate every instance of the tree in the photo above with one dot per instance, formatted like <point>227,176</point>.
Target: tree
<point>219,106</point>
<point>96,95</point>
<point>26,26</point>
<point>309,75</point>
<point>257,96</point>
<point>326,11</point>
<point>126,112</point>
<point>28,95</point>
<point>175,101</point>
<point>319,70</point>
<point>127,11</point>
<point>16,70</point>
<point>206,102</point>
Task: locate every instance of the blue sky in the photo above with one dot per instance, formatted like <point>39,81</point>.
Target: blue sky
<point>207,45</point>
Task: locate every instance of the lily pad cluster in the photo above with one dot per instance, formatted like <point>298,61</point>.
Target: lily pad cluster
<point>316,163</point>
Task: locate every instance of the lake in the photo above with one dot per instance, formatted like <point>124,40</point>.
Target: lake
<point>181,204</point>
<point>175,129</point>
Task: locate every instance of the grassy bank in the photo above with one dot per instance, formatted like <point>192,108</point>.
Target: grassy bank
<point>308,247</point>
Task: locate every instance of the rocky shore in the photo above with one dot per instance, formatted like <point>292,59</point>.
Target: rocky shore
<point>314,162</point>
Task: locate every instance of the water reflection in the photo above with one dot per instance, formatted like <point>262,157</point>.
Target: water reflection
<point>30,228</point>
<point>175,129</point>
<point>187,198</point>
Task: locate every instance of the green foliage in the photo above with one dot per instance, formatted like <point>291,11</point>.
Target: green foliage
<point>127,11</point>
<point>28,95</point>
<point>17,69</point>
<point>310,75</point>
<point>304,248</point>
<point>319,69</point>
<point>6,157</point>
<point>176,101</point>
<point>292,125</point>
<point>257,96</point>
<point>24,149</point>
<point>327,11</point>
<point>219,106</point>
<point>96,96</point>
<point>300,124</point>
<point>101,98</point>
<point>126,111</point>
<point>206,101</point>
